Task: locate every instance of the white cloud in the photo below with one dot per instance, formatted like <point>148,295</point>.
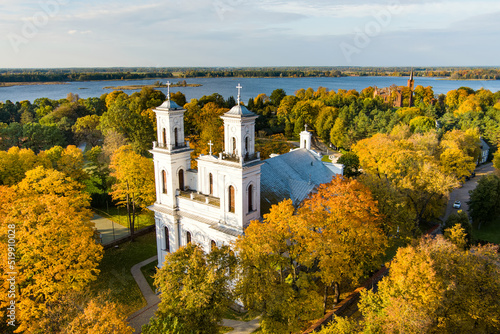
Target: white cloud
<point>71,32</point>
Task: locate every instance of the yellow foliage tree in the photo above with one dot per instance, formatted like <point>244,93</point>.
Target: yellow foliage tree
<point>341,232</point>
<point>135,182</point>
<point>435,287</point>
<point>55,249</point>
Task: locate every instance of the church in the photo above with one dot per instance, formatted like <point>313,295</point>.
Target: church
<point>213,205</point>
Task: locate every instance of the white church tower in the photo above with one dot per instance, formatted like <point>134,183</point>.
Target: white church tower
<point>214,204</point>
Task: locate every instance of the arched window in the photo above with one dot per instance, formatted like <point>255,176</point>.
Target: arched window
<point>246,144</point>
<point>164,181</point>
<point>231,199</point>
<point>234,145</point>
<point>211,183</point>
<point>181,179</point>
<point>250,198</point>
<point>164,137</point>
<point>212,245</point>
<point>176,139</point>
<point>167,240</point>
<point>188,238</point>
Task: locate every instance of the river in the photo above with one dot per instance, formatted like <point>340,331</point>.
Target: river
<point>226,86</point>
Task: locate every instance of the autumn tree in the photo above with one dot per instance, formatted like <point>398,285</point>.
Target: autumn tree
<point>272,280</point>
<point>56,252</point>
<point>461,219</point>
<point>434,287</point>
<point>196,289</point>
<point>410,166</point>
<point>341,233</point>
<point>135,182</point>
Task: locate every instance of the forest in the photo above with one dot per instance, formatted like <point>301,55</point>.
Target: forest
<point>401,165</point>
<point>90,74</point>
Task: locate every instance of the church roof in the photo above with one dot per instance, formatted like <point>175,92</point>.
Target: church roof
<point>239,110</point>
<point>292,175</point>
<point>170,105</point>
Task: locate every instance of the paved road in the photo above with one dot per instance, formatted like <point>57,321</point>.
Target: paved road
<point>109,230</point>
<point>462,194</point>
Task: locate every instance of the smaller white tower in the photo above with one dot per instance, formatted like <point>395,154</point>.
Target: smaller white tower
<point>305,139</point>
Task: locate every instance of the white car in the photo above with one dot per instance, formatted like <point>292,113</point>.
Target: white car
<point>457,204</point>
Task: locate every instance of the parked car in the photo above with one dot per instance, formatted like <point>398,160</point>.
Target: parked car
<point>457,205</point>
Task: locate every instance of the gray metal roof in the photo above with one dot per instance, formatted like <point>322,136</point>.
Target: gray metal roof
<point>169,104</point>
<point>292,175</point>
<point>239,110</point>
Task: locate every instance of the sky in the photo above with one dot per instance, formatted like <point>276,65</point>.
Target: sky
<point>241,33</point>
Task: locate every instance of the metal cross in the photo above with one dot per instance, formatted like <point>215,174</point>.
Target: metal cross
<point>210,144</point>
<point>239,91</point>
<point>168,90</point>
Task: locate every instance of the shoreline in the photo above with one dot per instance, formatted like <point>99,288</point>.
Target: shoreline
<point>31,83</point>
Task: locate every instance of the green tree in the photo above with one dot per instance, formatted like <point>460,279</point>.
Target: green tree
<point>484,200</point>
<point>86,130</point>
<point>351,164</point>
<point>196,289</point>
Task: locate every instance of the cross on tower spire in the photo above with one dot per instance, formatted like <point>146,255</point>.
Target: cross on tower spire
<point>168,90</point>
<point>210,144</point>
<point>239,92</point>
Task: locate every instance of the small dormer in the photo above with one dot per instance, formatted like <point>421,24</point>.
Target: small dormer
<point>305,139</point>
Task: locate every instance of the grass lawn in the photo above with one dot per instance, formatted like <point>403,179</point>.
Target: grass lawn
<point>326,158</point>
<point>148,271</point>
<point>119,215</point>
<point>115,275</point>
<point>489,232</point>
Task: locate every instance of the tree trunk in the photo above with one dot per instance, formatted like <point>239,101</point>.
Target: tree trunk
<point>325,297</point>
<point>336,292</point>
<point>128,211</point>
<point>132,228</point>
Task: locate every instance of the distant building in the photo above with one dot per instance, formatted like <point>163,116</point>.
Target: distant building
<point>214,204</point>
<point>485,151</point>
<point>394,94</point>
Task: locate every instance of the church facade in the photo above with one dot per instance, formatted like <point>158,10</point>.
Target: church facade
<point>213,205</point>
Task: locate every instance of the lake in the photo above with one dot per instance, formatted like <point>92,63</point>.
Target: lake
<point>226,86</point>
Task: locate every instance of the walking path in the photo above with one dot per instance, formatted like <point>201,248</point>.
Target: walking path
<point>109,229</point>
<point>142,316</point>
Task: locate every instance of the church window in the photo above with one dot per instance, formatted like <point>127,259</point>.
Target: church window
<point>181,180</point>
<point>164,181</point>
<point>231,199</point>
<point>211,183</point>
<point>167,240</point>
<point>176,137</point>
<point>246,145</point>
<point>234,145</point>
<point>164,137</point>
<point>250,198</point>
<point>212,245</point>
<point>188,238</point>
